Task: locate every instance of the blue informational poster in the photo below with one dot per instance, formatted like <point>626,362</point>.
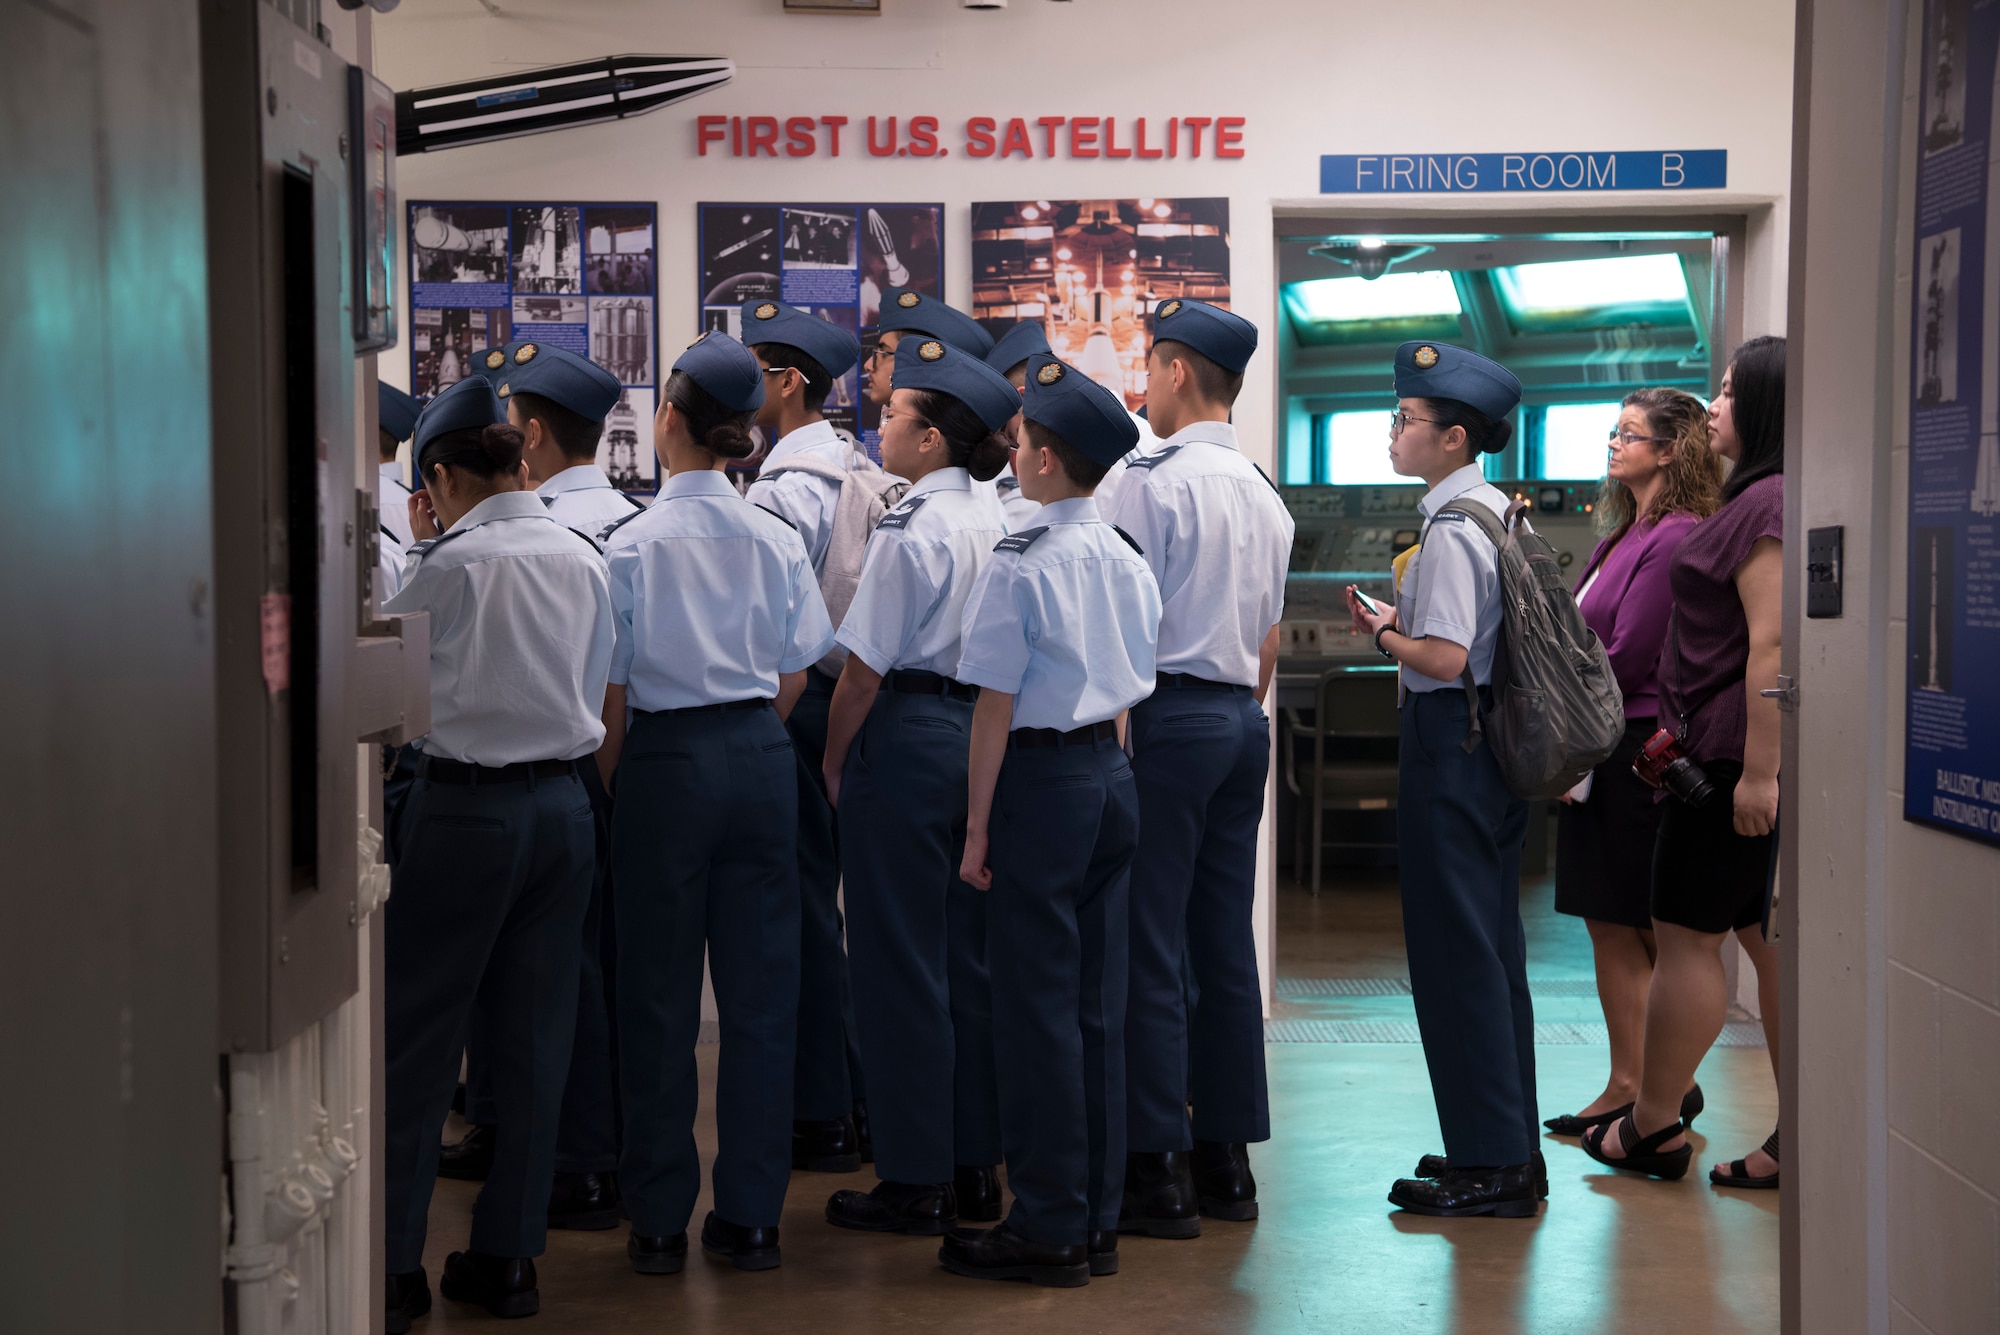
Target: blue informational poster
<point>574,276</point>
<point>1952,720</point>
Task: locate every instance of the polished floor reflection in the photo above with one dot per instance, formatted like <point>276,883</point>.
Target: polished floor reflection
<point>1608,1253</point>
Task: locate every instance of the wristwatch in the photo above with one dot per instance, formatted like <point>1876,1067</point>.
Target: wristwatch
<point>1378,643</point>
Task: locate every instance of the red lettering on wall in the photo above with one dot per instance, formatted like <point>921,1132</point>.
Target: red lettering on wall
<point>707,130</point>
<point>1174,137</point>
<point>1050,124</point>
<point>833,124</point>
<point>763,136</point>
<point>1111,149</point>
<point>1017,138</point>
<point>736,136</point>
<point>1195,125</point>
<point>1083,136</point>
<point>1229,137</point>
<point>883,148</point>
<point>1139,143</point>
<point>979,137</point>
<point>799,142</point>
<point>923,137</point>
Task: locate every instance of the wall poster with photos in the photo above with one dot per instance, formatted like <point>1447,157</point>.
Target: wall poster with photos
<point>1093,271</point>
<point>575,276</point>
<point>834,260</point>
<point>1951,742</point>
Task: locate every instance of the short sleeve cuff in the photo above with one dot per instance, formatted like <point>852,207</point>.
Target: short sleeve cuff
<point>875,659</point>
<point>990,678</point>
<point>1425,628</point>
<point>800,662</point>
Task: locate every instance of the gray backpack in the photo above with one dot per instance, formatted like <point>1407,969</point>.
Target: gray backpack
<point>1557,712</point>
<point>866,494</point>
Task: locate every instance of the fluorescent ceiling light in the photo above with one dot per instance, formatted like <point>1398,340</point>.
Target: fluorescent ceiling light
<point>1393,296</point>
<point>1568,285</point>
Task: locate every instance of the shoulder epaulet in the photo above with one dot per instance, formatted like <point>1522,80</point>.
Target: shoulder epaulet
<point>587,538</point>
<point>1006,484</point>
<point>774,514</point>
<point>1155,459</point>
<point>1455,516</point>
<point>1020,542</point>
<point>549,501</point>
<point>429,545</point>
<point>900,516</point>
<point>632,500</point>
<point>1130,541</point>
<point>389,535</point>
<point>615,525</point>
<point>1267,477</point>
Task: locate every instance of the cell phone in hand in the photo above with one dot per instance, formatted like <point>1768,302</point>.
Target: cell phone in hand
<point>1368,604</point>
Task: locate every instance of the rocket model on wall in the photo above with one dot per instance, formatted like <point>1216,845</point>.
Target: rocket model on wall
<point>556,98</point>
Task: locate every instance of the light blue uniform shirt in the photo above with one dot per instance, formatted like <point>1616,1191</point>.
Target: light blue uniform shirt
<point>804,498</point>
<point>520,634</point>
<point>583,498</point>
<point>1020,510</point>
<point>392,499</point>
<point>713,598</point>
<point>1451,588</point>
<point>922,560</point>
<point>1218,539</point>
<point>389,567</point>
<point>1065,621</point>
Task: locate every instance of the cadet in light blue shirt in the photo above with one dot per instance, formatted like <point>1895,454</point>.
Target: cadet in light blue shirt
<point>718,616</point>
<point>1059,637</point>
<point>1009,356</point>
<point>916,931</point>
<point>494,843</point>
<point>560,401</point>
<point>1459,828</point>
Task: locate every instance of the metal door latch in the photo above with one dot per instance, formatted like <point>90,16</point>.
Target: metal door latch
<point>1786,693</point>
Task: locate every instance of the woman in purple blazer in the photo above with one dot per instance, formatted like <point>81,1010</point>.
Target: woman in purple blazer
<point>1663,478</point>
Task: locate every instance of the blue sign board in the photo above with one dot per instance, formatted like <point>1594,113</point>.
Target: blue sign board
<point>1521,173</point>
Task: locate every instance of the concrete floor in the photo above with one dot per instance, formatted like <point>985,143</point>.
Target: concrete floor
<point>1609,1253</point>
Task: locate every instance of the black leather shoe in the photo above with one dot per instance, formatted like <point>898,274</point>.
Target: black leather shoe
<point>925,1209</point>
<point>1506,1193</point>
<point>409,1297</point>
<point>861,1132</point>
<point>746,1247</point>
<point>1222,1180</point>
<point>1103,1250</point>
<point>503,1285</point>
<point>978,1192</point>
<point>1434,1165</point>
<point>657,1255</point>
<point>471,1159</point>
<point>584,1201</point>
<point>826,1147</point>
<point>1001,1253</point>
<point>1160,1199</point>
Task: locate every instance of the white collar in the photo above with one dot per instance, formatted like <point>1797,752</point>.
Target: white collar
<point>1212,433</point>
<point>392,471</point>
<point>1071,510</point>
<point>807,436</point>
<point>502,505</point>
<point>697,482</point>
<point>1444,493</point>
<point>578,477</point>
<point>942,479</point>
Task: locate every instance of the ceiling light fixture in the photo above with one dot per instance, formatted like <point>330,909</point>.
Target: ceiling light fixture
<point>1371,256</point>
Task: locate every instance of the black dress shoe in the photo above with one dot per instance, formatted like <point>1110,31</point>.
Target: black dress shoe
<point>657,1255</point>
<point>584,1201</point>
<point>1103,1250</point>
<point>1575,1124</point>
<point>1222,1180</point>
<point>503,1285</point>
<point>1434,1165</point>
<point>925,1209</point>
<point>1160,1199</point>
<point>746,1247</point>
<point>978,1192</point>
<point>826,1147</point>
<point>471,1159</point>
<point>1506,1193</point>
<point>409,1297</point>
<point>861,1132</point>
<point>1001,1253</point>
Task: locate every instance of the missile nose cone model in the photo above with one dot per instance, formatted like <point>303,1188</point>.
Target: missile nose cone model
<point>532,101</point>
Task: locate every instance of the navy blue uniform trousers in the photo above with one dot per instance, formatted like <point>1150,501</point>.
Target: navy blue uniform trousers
<point>704,861</point>
<point>1459,833</point>
<point>1064,825</point>
<point>916,936</point>
<point>489,889</point>
<point>828,1077</point>
<point>1200,754</point>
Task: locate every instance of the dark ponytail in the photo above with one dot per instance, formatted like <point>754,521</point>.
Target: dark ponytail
<point>723,433</point>
<point>968,444</point>
<point>1483,434</point>
<point>484,452</point>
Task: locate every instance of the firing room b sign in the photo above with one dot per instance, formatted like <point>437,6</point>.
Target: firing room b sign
<point>1521,173</point>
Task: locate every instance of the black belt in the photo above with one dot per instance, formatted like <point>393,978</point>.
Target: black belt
<point>437,769</point>
<point>912,681</point>
<point>1051,737</point>
<point>1183,681</point>
<point>721,707</point>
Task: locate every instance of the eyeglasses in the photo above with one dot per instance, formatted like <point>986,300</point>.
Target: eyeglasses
<point>1399,419</point>
<point>1633,438</point>
<point>881,353</point>
<point>890,415</point>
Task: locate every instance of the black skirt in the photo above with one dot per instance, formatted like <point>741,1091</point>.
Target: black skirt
<point>1604,846</point>
<point>1707,877</point>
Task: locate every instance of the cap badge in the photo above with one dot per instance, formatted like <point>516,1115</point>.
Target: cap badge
<point>495,359</point>
<point>525,354</point>
<point>1169,310</point>
<point>768,311</point>
<point>505,390</point>
<point>1049,374</point>
<point>931,351</point>
<point>1425,357</point>
<point>908,299</point>
<point>704,334</point>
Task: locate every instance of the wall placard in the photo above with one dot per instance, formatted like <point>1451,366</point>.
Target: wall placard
<point>575,276</point>
<point>1951,774</point>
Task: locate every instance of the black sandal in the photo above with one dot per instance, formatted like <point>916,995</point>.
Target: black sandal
<point>1692,1104</point>
<point>1739,1171</point>
<point>1643,1156</point>
<point>1575,1124</point>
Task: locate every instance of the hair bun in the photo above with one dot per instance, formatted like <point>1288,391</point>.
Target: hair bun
<point>729,440</point>
<point>1496,440</point>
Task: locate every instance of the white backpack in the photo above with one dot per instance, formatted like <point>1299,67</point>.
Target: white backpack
<point>866,494</point>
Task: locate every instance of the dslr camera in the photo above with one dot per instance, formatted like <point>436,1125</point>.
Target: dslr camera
<point>1663,764</point>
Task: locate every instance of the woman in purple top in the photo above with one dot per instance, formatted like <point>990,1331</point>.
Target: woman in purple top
<point>1662,478</point>
<point>1712,863</point>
